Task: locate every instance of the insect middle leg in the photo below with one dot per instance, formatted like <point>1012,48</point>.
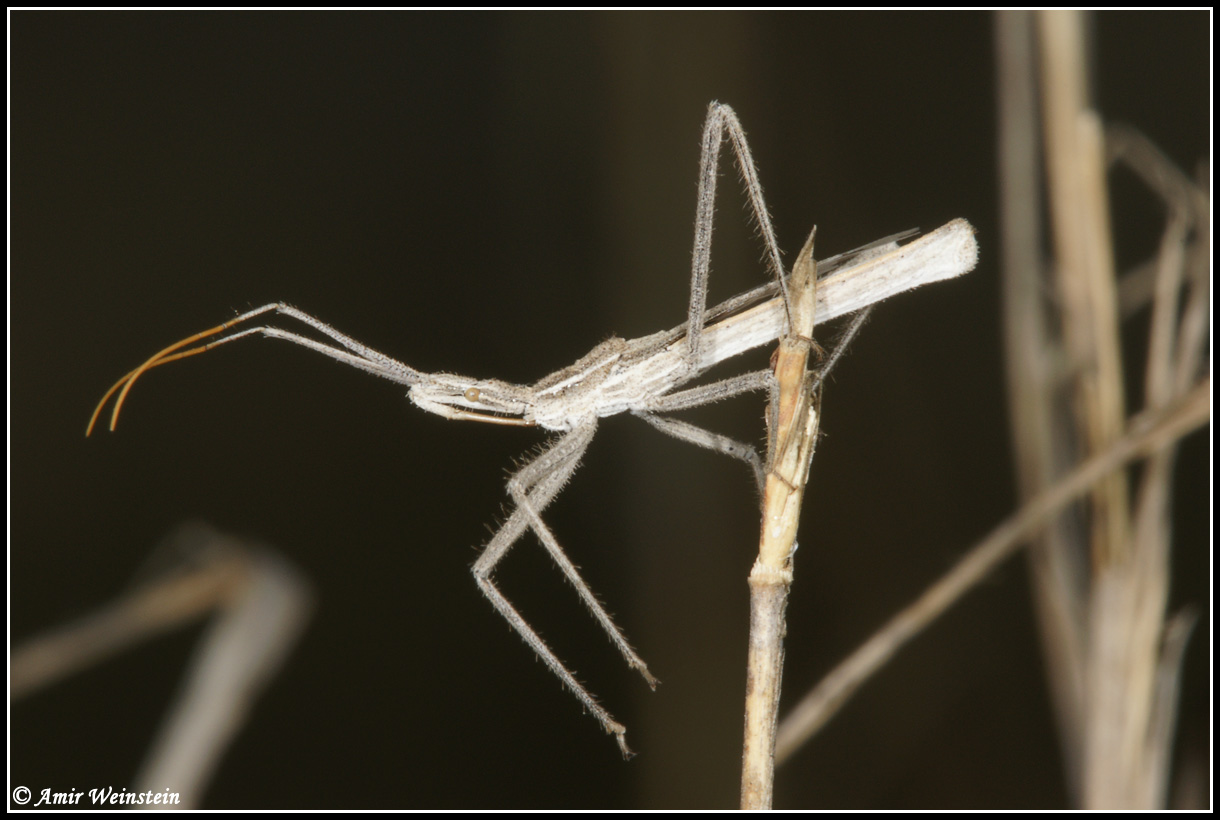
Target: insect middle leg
<point>706,394</point>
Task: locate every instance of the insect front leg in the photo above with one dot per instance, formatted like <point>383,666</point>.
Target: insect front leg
<point>720,119</point>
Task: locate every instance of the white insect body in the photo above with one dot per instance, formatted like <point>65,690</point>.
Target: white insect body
<point>640,376</point>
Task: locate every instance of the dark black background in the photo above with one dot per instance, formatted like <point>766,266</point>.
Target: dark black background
<point>493,194</point>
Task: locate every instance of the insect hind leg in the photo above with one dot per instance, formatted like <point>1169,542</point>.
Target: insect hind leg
<point>533,487</point>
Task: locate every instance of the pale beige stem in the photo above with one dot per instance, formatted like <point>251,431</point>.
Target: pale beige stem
<point>793,433</point>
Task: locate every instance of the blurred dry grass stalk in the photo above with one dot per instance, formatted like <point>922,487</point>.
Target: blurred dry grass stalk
<point>1101,576</point>
<point>258,604</point>
<point>1101,569</point>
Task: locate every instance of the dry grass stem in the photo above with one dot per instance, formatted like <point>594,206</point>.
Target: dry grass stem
<point>1149,434</point>
<point>1101,572</point>
<point>1037,435</point>
<point>1123,735</point>
<point>792,436</point>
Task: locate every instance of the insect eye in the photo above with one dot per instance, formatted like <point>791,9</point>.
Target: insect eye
<point>471,394</point>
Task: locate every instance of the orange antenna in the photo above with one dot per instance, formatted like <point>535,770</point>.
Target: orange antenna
<point>355,355</point>
<point>160,358</point>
